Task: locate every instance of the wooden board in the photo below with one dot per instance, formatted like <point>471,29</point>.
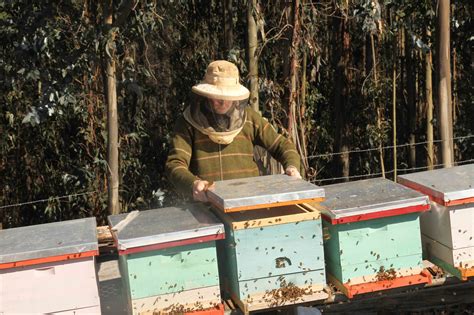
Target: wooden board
<point>266,301</point>
<point>350,290</point>
<point>355,274</point>
<point>178,302</point>
<point>271,216</point>
<point>49,288</point>
<point>450,226</point>
<point>171,270</point>
<point>459,272</point>
<point>462,257</point>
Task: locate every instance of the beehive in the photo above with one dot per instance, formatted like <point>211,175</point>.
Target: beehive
<point>372,235</point>
<point>262,192</point>
<point>448,228</point>
<point>272,255</point>
<point>49,268</point>
<point>167,259</point>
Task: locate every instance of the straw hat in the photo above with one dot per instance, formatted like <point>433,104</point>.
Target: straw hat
<point>222,82</point>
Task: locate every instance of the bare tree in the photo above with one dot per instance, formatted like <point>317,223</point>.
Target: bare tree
<point>444,85</point>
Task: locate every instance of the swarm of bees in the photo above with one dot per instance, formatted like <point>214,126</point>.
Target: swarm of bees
<point>382,274</point>
<point>181,309</point>
<point>287,293</point>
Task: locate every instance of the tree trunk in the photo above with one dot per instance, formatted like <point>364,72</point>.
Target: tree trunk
<point>301,114</point>
<point>394,114</point>
<point>228,26</point>
<point>341,94</point>
<point>411,100</point>
<point>112,117</point>
<point>444,84</point>
<point>429,109</point>
<point>292,126</point>
<point>251,54</point>
<point>380,111</point>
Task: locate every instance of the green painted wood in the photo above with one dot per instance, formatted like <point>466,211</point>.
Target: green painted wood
<point>227,262</point>
<point>171,270</point>
<point>125,280</point>
<point>279,249</point>
<point>347,272</point>
<point>372,240</point>
<point>249,288</point>
<point>446,266</point>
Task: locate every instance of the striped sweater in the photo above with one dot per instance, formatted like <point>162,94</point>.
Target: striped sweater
<point>194,156</point>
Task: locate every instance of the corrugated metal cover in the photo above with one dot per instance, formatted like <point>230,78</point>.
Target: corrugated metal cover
<point>47,240</point>
<point>368,196</point>
<point>447,184</point>
<point>166,225</point>
<point>262,190</point>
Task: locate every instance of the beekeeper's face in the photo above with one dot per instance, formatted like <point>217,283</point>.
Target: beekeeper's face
<point>220,106</point>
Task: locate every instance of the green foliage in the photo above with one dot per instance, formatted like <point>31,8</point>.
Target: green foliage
<point>52,103</point>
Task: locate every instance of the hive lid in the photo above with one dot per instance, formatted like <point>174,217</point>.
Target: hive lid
<point>49,242</point>
<point>166,227</point>
<point>370,199</point>
<point>262,192</point>
<point>446,186</point>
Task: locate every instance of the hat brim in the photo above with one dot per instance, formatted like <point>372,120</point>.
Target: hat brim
<point>238,93</point>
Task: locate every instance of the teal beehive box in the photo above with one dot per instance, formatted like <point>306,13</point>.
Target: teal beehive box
<point>168,259</point>
<point>372,235</point>
<point>273,253</point>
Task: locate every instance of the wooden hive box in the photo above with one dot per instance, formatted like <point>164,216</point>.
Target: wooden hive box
<point>168,260</point>
<point>372,235</point>
<point>273,255</point>
<point>49,268</point>
<point>448,228</point>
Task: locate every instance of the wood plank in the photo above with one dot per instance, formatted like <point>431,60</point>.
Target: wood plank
<point>270,216</point>
<point>462,257</point>
<point>301,279</point>
<point>350,290</point>
<point>268,301</point>
<point>268,205</point>
<point>189,301</point>
<point>450,297</point>
<point>50,259</point>
<point>104,235</point>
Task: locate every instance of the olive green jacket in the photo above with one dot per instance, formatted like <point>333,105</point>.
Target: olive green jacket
<point>194,156</point>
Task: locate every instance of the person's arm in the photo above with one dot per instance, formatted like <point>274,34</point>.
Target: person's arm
<point>179,157</point>
<point>282,149</point>
<point>177,164</point>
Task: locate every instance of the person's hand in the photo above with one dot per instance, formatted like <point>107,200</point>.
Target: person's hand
<point>200,187</point>
<point>292,171</point>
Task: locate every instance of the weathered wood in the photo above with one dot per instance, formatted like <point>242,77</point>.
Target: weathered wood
<point>455,297</point>
<point>176,303</point>
<point>265,301</point>
<point>351,290</point>
<point>104,235</point>
<point>271,216</point>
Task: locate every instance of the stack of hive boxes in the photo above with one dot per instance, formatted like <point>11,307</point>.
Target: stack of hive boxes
<point>168,260</point>
<point>49,268</point>
<point>372,235</point>
<point>273,253</point>
<point>448,228</point>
